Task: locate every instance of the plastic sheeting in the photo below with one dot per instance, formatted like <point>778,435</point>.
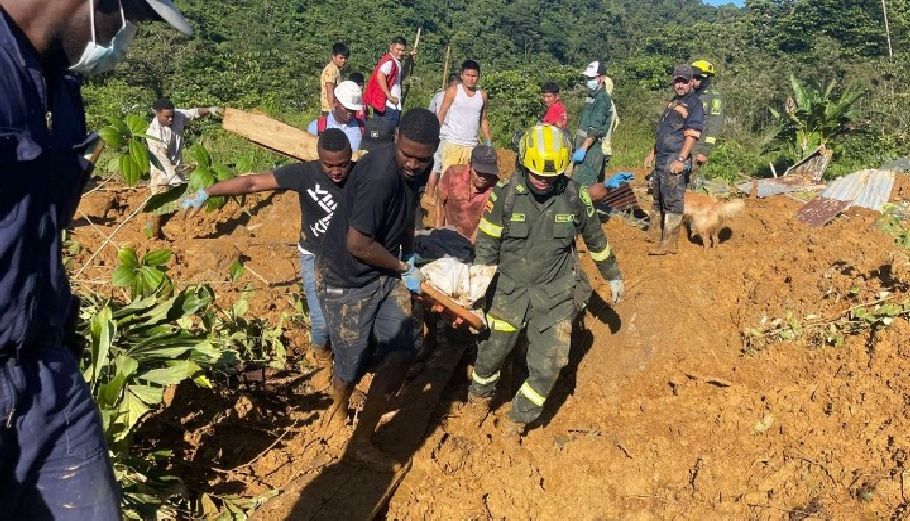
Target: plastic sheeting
<point>869,188</point>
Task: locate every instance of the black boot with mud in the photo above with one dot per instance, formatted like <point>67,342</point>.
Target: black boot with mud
<point>655,228</point>
<point>669,243</point>
<point>336,417</point>
<point>477,409</point>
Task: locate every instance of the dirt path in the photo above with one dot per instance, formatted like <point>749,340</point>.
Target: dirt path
<point>660,414</point>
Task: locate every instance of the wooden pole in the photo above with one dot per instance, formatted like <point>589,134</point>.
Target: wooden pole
<point>887,30</point>
<point>445,68</point>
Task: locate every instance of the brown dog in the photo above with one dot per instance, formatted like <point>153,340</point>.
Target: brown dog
<point>706,215</point>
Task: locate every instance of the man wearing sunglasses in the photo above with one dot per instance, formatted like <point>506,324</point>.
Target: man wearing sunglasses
<point>677,132</point>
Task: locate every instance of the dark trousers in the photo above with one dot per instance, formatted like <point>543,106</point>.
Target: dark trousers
<point>669,190</point>
<point>53,457</point>
<point>381,310</point>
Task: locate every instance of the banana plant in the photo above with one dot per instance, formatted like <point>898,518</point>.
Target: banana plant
<point>813,116</point>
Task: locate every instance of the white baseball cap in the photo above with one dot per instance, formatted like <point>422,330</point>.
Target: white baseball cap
<point>170,14</point>
<point>595,69</point>
<point>349,94</point>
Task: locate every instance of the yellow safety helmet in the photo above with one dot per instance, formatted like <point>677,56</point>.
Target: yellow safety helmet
<point>544,150</point>
<point>705,67</point>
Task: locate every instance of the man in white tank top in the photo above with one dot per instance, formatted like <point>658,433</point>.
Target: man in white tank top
<point>462,114</point>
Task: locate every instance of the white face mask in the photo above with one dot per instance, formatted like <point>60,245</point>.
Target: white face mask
<point>592,84</point>
<point>97,59</point>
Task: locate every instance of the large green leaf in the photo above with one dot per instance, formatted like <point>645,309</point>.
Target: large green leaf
<point>140,155</point>
<point>222,173</point>
<point>132,408</point>
<point>112,137</point>
<point>201,177</point>
<point>129,170</point>
<point>137,125</point>
<point>160,200</point>
<point>123,276</point>
<point>200,156</point>
<point>173,374</point>
<point>148,394</point>
<point>157,257</point>
<point>103,329</point>
<point>127,257</point>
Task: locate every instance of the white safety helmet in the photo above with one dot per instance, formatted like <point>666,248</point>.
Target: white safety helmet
<point>349,94</point>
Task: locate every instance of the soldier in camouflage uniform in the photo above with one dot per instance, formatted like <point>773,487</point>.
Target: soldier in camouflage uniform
<point>702,83</point>
<point>528,231</point>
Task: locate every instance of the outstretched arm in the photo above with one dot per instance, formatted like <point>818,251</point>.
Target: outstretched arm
<point>244,184</point>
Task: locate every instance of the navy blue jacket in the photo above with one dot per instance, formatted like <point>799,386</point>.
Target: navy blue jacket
<point>42,173</point>
<point>685,116</point>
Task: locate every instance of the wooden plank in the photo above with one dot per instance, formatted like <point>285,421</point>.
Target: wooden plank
<point>273,134</point>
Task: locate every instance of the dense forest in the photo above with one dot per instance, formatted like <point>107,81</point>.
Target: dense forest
<point>268,55</point>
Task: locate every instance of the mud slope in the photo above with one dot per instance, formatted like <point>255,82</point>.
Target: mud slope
<point>660,414</point>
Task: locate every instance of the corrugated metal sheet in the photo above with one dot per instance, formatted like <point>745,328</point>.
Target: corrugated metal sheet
<point>867,188</point>
<point>820,211</point>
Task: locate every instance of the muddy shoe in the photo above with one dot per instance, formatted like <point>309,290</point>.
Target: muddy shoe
<point>322,356</point>
<point>478,409</point>
<point>366,454</point>
<point>512,432</point>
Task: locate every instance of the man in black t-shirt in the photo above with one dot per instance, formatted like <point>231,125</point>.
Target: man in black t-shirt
<point>365,282</point>
<point>319,184</point>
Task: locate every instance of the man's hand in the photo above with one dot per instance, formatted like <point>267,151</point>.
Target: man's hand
<point>412,277</point>
<point>579,155</point>
<point>215,111</point>
<point>393,99</point>
<point>677,167</point>
<point>648,163</point>
<point>701,159</point>
<point>617,289</point>
<point>195,201</point>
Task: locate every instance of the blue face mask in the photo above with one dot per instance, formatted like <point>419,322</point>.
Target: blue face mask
<point>592,84</point>
<point>97,59</point>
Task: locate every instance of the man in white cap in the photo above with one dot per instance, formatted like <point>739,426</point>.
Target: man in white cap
<point>348,101</point>
<point>54,456</point>
<point>596,121</point>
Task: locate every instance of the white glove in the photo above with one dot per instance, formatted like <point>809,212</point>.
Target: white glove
<point>617,288</point>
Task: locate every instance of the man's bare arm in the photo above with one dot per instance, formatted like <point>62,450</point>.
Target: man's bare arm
<point>368,251</point>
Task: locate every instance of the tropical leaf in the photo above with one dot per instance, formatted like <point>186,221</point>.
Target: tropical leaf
<point>112,137</point>
<point>158,257</point>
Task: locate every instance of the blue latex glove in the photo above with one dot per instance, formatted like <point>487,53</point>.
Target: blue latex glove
<point>618,179</point>
<point>412,277</point>
<point>196,201</point>
<point>617,289</point>
<point>579,155</point>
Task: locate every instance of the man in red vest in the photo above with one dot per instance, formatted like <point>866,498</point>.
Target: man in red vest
<point>383,92</point>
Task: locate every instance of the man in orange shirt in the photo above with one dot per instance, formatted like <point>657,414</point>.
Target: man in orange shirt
<point>464,191</point>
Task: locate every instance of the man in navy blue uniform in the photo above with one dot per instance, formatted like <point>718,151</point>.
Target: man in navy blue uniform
<point>677,132</point>
<point>53,457</point>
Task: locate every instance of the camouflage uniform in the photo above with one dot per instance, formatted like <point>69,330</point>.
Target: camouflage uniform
<point>537,284</point>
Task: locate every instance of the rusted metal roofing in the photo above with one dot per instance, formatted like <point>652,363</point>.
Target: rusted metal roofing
<point>821,210</point>
<point>868,188</point>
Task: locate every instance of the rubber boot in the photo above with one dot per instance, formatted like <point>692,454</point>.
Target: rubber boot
<point>478,409</point>
<point>337,415</point>
<point>512,432</point>
<point>655,227</point>
<point>669,241</point>
<point>153,227</point>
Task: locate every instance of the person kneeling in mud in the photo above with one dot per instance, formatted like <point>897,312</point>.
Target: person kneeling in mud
<point>318,184</point>
<point>365,285</point>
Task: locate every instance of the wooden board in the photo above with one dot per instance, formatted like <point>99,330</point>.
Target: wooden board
<point>273,134</point>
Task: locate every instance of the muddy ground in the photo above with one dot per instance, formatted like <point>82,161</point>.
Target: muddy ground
<point>661,413</point>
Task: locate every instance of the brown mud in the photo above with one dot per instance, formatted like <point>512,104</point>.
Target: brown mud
<point>659,415</point>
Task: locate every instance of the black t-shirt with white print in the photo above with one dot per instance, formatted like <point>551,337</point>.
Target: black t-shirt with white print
<point>319,197</point>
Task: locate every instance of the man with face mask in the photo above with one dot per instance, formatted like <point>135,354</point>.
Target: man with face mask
<point>596,119</point>
<point>529,234</point>
<point>53,457</point>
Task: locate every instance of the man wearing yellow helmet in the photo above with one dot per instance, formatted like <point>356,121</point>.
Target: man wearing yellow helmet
<point>528,231</point>
<point>702,84</point>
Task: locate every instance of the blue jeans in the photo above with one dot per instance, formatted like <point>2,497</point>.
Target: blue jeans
<point>53,457</point>
<point>392,114</point>
<point>319,332</point>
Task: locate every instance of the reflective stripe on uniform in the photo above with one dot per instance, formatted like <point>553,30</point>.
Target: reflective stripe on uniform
<point>531,395</point>
<point>489,228</point>
<point>499,325</point>
<point>711,140</point>
<point>484,381</point>
<point>600,256</point>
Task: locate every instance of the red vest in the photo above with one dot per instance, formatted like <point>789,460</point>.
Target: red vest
<point>374,95</point>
